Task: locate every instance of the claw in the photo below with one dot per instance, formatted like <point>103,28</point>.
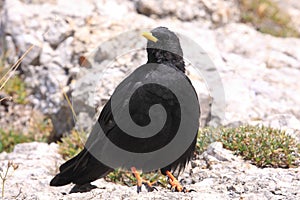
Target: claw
<point>138,188</point>
<point>149,186</point>
<point>186,190</point>
<point>141,181</point>
<point>175,185</point>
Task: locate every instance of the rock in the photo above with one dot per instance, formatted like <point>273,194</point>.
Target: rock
<point>218,11</point>
<point>47,83</point>
<point>37,162</point>
<point>58,32</point>
<point>13,51</point>
<point>65,115</point>
<point>80,9</point>
<point>24,43</point>
<point>288,123</point>
<point>266,86</point>
<point>227,177</point>
<point>239,179</point>
<point>216,150</point>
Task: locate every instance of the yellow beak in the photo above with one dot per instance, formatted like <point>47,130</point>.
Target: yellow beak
<point>149,36</point>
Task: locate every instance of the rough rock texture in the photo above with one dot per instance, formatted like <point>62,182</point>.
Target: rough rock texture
<point>258,70</point>
<point>219,12</point>
<point>216,174</point>
<point>259,75</point>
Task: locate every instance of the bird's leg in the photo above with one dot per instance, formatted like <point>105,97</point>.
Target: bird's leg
<point>141,181</point>
<point>175,185</point>
<point>138,179</point>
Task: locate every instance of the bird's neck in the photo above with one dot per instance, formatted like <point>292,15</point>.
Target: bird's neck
<point>166,58</point>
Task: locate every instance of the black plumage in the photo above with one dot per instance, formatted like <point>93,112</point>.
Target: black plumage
<point>85,168</point>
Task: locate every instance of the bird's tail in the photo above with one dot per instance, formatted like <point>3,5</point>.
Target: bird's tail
<point>81,169</point>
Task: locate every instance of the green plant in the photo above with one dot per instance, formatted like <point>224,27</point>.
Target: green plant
<point>16,88</point>
<point>263,146</point>
<point>121,177</point>
<point>267,17</point>
<point>205,137</point>
<point>72,144</point>
<point>9,138</point>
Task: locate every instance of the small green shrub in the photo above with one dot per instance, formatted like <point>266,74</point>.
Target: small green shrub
<point>263,146</point>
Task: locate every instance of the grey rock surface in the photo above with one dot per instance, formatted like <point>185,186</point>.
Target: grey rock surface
<point>218,12</point>
<point>215,174</point>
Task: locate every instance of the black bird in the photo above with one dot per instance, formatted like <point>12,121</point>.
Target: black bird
<point>163,49</point>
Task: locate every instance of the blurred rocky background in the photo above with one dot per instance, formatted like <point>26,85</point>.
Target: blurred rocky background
<point>253,45</point>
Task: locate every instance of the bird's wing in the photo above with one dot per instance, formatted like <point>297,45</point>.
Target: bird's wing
<point>160,73</point>
<point>146,95</point>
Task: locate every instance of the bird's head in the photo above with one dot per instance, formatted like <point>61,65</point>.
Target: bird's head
<point>163,47</point>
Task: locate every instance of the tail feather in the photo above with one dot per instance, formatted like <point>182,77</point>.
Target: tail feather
<point>72,161</point>
<point>59,180</point>
<point>81,169</point>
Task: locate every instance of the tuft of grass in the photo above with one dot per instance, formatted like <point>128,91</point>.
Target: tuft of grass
<point>72,144</point>
<point>263,146</point>
<point>16,88</point>
<point>267,17</point>
<point>121,177</point>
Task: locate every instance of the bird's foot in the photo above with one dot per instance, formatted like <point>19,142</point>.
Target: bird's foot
<point>141,181</point>
<point>149,186</point>
<point>175,185</point>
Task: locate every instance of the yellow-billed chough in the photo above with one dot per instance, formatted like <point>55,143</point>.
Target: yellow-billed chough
<point>164,50</point>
